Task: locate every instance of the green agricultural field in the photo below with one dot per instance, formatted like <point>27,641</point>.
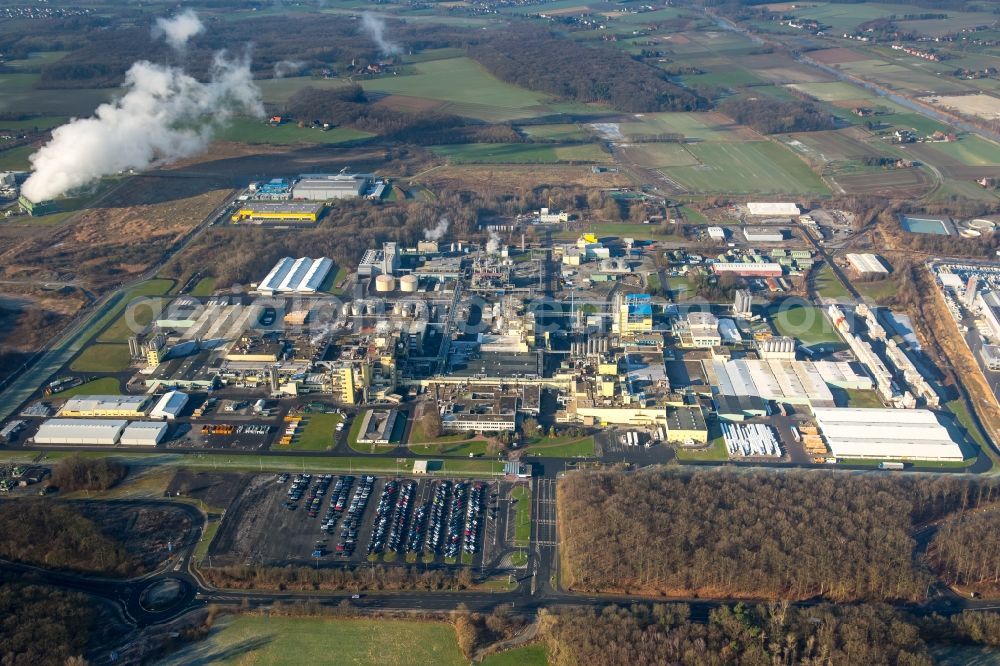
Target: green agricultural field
<point>804,322</point>
<point>17,94</point>
<point>756,167</point>
<point>248,130</point>
<point>36,60</point>
<point>662,155</point>
<point>920,124</point>
<point>520,153</point>
<point>454,81</point>
<point>724,77</point>
<point>559,132</point>
<point>39,123</point>
<point>279,91</point>
<point>102,386</point>
<point>697,126</point>
<point>971,150</point>
<point>316,432</point>
<point>102,358</point>
<point>834,91</point>
<point>292,641</point>
<point>16,159</point>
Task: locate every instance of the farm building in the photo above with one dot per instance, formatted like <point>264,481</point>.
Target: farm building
<point>901,434</point>
<point>763,235</point>
<point>867,264</point>
<point>97,432</point>
<point>772,208</point>
<point>106,405</point>
<point>748,269</point>
<point>143,433</point>
<point>295,276</point>
<point>326,187</point>
<point>259,212</point>
<point>169,406</point>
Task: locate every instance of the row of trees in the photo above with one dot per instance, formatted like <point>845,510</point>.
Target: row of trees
<point>771,116</point>
<point>783,536</point>
<point>540,60</point>
<point>772,634</point>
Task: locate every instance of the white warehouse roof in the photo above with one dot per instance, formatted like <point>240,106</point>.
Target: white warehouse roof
<point>143,433</point>
<point>80,431</point>
<point>302,275</point>
<point>95,403</point>
<point>169,406</point>
<point>867,263</point>
<point>886,434</point>
<point>772,208</point>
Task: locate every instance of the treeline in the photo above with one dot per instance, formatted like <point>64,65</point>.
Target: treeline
<point>43,626</point>
<point>58,536</point>
<point>771,116</point>
<point>296,578</point>
<point>78,473</point>
<point>966,549</point>
<point>539,60</point>
<point>764,634</point>
<point>756,534</point>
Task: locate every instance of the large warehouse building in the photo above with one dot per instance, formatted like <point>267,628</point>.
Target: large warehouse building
<point>273,212</point>
<point>772,208</point>
<point>128,406</point>
<point>97,432</point>
<point>886,434</point>
<point>295,276</point>
<point>143,433</point>
<point>170,406</point>
<point>326,187</point>
<point>748,269</point>
<point>867,264</point>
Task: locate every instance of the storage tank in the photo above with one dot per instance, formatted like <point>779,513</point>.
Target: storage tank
<point>370,308</point>
<point>384,283</point>
<point>346,309</point>
<point>358,308</point>
<point>408,283</point>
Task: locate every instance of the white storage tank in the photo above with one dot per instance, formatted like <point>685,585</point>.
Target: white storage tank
<point>346,310</point>
<point>358,308</point>
<point>384,283</point>
<point>408,283</point>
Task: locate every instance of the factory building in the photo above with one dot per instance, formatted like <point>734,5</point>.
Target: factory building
<point>686,424</point>
<point>96,432</point>
<point>777,349</point>
<point>772,208</point>
<point>327,187</point>
<point>699,329</point>
<point>128,406</point>
<point>989,308</point>
<point>716,233</point>
<point>275,212</point>
<point>380,262</point>
<point>276,189</point>
<point>635,313</point>
<point>889,434</point>
<point>295,276</point>
<point>763,235</point>
<point>763,269</point>
<point>867,264</point>
<point>169,406</point>
<point>143,433</point>
<point>36,209</point>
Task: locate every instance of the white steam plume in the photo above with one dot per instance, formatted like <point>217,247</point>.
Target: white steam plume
<point>284,68</point>
<point>178,29</point>
<point>165,115</point>
<point>438,231</point>
<point>493,244</point>
<point>374,27</point>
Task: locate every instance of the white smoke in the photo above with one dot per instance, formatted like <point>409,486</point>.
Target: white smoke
<point>284,68</point>
<point>493,244</point>
<point>178,29</point>
<point>438,231</point>
<point>165,115</point>
<point>374,27</point>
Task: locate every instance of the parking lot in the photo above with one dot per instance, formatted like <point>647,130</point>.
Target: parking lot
<point>356,519</point>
